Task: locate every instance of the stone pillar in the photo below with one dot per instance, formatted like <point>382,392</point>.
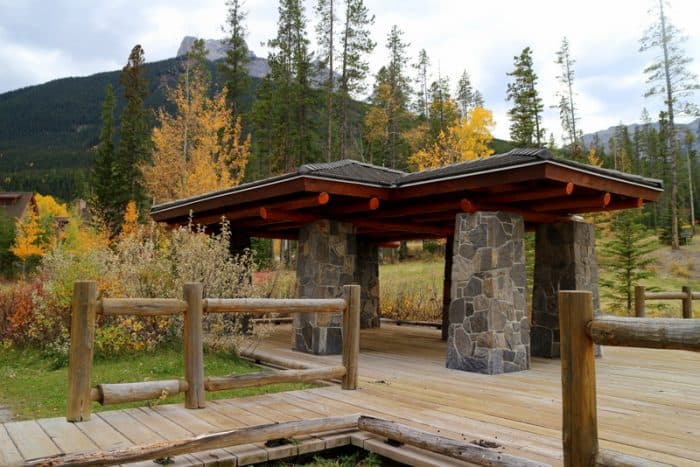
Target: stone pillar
<point>489,330</point>
<point>564,260</point>
<point>326,261</point>
<point>367,275</point>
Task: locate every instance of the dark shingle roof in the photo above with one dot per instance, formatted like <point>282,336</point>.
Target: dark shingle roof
<point>353,171</point>
<point>516,158</point>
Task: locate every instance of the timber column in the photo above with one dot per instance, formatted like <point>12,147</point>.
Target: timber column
<point>488,327</point>
<point>326,261</point>
<point>565,259</point>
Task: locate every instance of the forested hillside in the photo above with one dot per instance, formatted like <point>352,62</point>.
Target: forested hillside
<point>48,132</point>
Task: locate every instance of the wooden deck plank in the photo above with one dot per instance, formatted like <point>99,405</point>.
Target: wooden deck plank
<point>8,451</point>
<point>66,435</point>
<point>31,440</point>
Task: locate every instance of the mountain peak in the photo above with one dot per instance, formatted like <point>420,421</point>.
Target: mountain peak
<point>216,48</point>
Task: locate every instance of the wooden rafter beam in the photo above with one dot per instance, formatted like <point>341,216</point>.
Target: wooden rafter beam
<point>320,199</point>
<point>392,245</point>
<point>615,205</point>
<point>592,203</point>
<point>528,216</point>
<point>371,204</point>
<point>280,215</point>
<point>413,210</point>
<point>532,195</point>
<point>381,226</point>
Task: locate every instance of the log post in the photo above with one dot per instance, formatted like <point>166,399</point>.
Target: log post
<point>639,304</point>
<point>192,343</point>
<point>351,335</point>
<point>580,425</point>
<point>82,339</point>
<point>687,302</point>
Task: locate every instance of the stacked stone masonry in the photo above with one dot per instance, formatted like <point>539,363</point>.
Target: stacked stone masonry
<point>489,330</point>
<point>565,259</point>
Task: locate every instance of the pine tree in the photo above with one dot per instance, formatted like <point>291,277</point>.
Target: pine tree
<point>290,93</point>
<point>134,134</point>
<point>442,109</point>
<point>357,44</point>
<point>670,78</point>
<point>567,106</point>
<point>525,115</point>
<point>465,94</point>
<point>235,65</point>
<point>325,28</point>
<point>627,255</point>
<point>103,171</point>
<point>399,90</point>
<point>422,101</point>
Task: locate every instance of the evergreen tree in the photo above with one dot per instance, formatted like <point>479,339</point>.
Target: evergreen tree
<point>357,44</point>
<point>627,256</point>
<point>290,93</point>
<point>399,90</point>
<point>567,106</point>
<point>525,115</point>
<point>479,99</point>
<point>326,39</point>
<point>442,111</point>
<point>465,94</point>
<point>134,134</point>
<point>422,66</point>
<point>103,171</point>
<point>670,78</point>
<point>235,65</point>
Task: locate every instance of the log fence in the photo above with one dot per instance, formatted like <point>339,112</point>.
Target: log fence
<point>686,295</point>
<point>86,306</point>
<point>579,332</point>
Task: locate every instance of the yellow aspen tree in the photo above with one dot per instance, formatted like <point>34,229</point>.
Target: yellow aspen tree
<point>131,219</point>
<point>48,206</point>
<point>27,243</point>
<point>197,149</point>
<point>467,140</point>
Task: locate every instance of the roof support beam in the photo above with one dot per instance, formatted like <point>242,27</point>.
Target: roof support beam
<point>528,216</point>
<point>614,205</point>
<point>594,203</point>
<point>381,227</point>
<point>532,195</point>
<point>371,204</point>
<point>280,215</point>
<point>428,208</point>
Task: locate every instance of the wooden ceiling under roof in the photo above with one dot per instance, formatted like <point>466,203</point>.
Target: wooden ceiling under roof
<point>395,206</point>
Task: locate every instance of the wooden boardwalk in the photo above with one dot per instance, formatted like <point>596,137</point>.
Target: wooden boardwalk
<point>648,404</point>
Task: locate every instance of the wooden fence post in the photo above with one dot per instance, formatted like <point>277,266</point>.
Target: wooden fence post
<point>687,302</point>
<point>192,343</point>
<point>351,335</point>
<point>580,425</point>
<point>639,304</point>
<point>82,340</point>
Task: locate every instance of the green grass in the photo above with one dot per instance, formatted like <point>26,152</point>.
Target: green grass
<point>33,390</point>
<point>411,290</point>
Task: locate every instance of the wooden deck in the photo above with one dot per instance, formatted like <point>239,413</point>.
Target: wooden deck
<point>648,404</point>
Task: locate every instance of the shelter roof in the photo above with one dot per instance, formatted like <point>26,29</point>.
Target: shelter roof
<point>15,204</point>
<point>388,204</point>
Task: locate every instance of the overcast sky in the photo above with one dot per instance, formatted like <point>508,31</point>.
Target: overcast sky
<point>44,40</point>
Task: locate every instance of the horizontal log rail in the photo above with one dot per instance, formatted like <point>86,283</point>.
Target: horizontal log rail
<point>133,392</point>
<point>455,449</point>
<point>686,295</point>
<point>579,332</point>
<point>221,383</point>
<point>85,307</point>
<point>141,306</point>
<point>273,305</point>
<point>650,333</point>
<point>204,442</point>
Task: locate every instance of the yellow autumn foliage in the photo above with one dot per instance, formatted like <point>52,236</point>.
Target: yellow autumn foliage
<point>27,242</point>
<point>198,148</point>
<point>131,219</point>
<point>48,206</point>
<point>467,140</point>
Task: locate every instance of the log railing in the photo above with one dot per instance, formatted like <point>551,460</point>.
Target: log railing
<point>579,331</point>
<point>86,306</point>
<point>686,295</point>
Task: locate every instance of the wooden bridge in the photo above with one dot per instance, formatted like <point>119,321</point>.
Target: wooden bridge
<point>648,405</point>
